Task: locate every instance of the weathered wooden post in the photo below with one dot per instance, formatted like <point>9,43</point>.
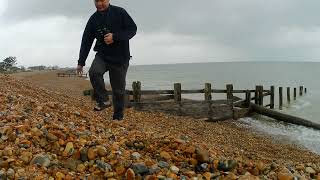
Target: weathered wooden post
<point>136,87</point>
<point>207,92</point>
<point>288,95</point>
<point>280,97</point>
<point>177,96</point>
<point>208,98</point>
<point>272,97</point>
<point>229,91</point>
<point>295,93</point>
<point>256,95</point>
<point>177,92</point>
<point>248,98</point>
<point>260,97</point>
<point>301,90</point>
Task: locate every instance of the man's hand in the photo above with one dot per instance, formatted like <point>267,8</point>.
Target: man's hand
<point>80,70</point>
<point>108,38</point>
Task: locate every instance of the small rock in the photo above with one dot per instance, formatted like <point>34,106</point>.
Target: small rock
<point>7,152</point>
<point>102,151</point>
<point>310,170</point>
<point>135,155</point>
<point>189,173</point>
<point>300,167</point>
<point>140,168</point>
<point>202,155</point>
<point>10,173</point>
<point>3,174</point>
<point>190,149</point>
<point>69,150</point>
<point>155,169</point>
<point>52,137</point>
<point>92,153</point>
<point>227,165</point>
<point>174,169</point>
<point>130,174</point>
<point>81,168</point>
<point>103,166</point>
<point>43,142</point>
<point>77,113</point>
<point>163,164</point>
<point>60,176</point>
<point>84,154</point>
<point>285,176</point>
<point>41,160</point>
<point>26,157</point>
<point>207,175</point>
<point>4,164</point>
<point>165,155</point>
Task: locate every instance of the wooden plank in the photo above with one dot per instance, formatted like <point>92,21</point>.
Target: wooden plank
<point>284,117</point>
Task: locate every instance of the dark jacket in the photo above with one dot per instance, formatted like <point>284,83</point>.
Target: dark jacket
<point>115,20</point>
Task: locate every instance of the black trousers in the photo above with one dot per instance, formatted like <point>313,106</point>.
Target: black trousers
<point>117,75</point>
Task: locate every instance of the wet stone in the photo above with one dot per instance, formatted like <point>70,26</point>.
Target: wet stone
<point>3,175</point>
<point>227,165</point>
<point>103,166</point>
<point>140,168</point>
<point>41,160</point>
<point>163,164</point>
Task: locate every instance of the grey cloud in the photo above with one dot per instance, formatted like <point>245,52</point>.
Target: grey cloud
<point>257,28</point>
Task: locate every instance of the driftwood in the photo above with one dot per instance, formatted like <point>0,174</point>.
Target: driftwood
<point>283,117</point>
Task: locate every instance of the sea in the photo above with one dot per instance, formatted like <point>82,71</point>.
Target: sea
<point>246,75</point>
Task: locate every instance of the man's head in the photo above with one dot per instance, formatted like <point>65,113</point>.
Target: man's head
<point>101,5</point>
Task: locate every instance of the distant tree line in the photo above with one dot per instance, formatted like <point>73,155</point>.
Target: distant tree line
<point>9,65</point>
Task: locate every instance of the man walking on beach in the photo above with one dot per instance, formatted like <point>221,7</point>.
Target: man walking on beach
<point>113,27</point>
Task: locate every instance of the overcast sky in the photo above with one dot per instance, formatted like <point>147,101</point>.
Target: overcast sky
<point>180,31</point>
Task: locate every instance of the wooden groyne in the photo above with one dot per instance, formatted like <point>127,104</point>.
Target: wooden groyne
<point>171,101</point>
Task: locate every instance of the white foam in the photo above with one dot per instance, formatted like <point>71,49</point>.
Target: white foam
<point>306,137</point>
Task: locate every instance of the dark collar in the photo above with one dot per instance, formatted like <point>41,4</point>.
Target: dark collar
<point>105,11</point>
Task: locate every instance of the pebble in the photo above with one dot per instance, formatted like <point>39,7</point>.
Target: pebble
<point>26,157</point>
<point>174,169</point>
<point>69,150</point>
<point>3,174</point>
<point>10,173</point>
<point>135,155</point>
<point>41,160</point>
<point>140,168</point>
<point>92,153</point>
<point>310,170</point>
<point>163,164</point>
<point>285,176</point>
<point>202,155</point>
<point>81,168</point>
<point>130,175</point>
<point>165,155</point>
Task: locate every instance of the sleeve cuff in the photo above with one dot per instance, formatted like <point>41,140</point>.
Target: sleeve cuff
<point>81,63</point>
